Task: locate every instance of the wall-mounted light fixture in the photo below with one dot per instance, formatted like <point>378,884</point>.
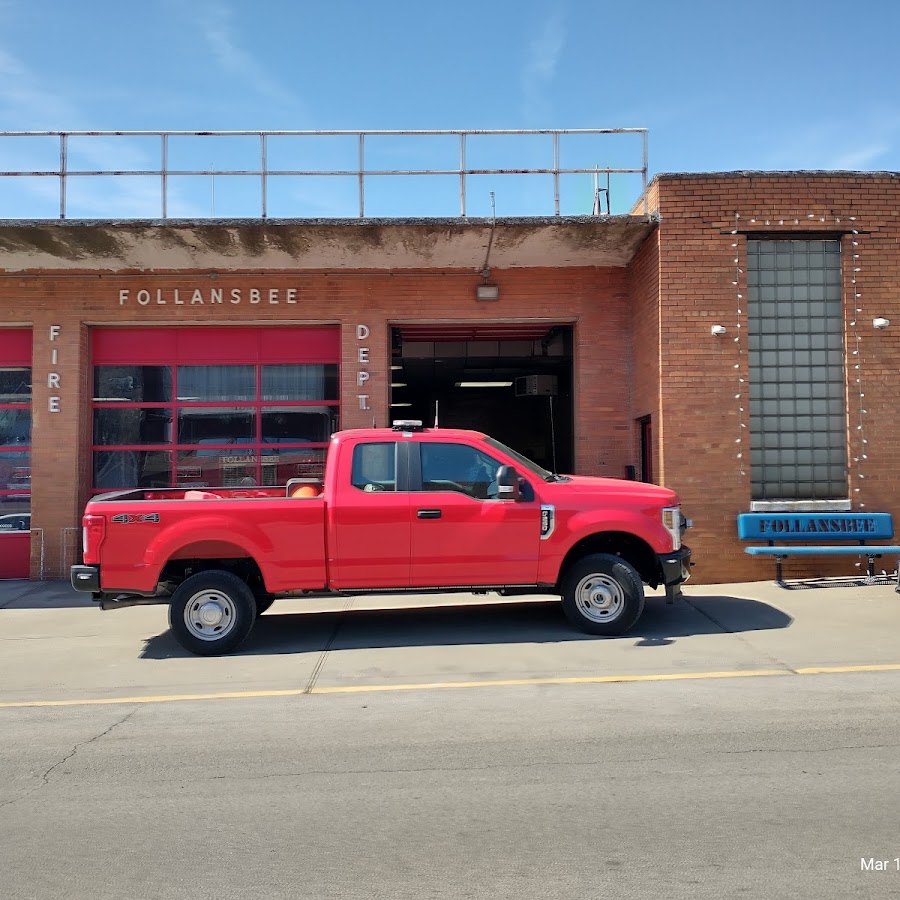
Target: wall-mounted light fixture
<point>717,330</point>
<point>880,322</point>
<point>483,384</point>
<point>486,291</point>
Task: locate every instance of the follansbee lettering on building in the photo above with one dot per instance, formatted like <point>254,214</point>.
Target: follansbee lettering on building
<point>848,525</point>
<point>208,296</point>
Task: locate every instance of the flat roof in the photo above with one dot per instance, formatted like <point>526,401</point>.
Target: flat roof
<point>290,244</point>
<point>781,174</point>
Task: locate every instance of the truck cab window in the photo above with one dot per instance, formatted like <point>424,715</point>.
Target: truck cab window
<point>458,467</point>
<point>374,467</point>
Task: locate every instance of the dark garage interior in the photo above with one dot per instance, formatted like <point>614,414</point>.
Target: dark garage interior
<point>511,381</point>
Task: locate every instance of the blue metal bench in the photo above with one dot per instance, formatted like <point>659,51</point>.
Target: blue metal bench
<point>792,534</point>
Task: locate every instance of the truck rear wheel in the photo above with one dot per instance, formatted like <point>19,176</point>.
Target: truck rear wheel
<point>602,594</point>
<point>212,612</point>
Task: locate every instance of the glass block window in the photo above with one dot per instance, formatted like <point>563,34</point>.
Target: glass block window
<point>798,407</point>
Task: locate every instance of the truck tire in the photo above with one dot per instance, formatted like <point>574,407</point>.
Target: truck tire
<point>602,594</point>
<point>212,612</point>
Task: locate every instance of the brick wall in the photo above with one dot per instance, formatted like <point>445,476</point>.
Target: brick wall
<point>593,300</point>
<point>642,346</point>
<point>645,311</point>
<point>698,378</point>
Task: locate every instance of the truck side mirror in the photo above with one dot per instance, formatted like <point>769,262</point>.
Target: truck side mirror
<point>508,484</point>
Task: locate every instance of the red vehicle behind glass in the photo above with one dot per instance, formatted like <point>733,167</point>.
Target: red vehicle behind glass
<point>402,509</point>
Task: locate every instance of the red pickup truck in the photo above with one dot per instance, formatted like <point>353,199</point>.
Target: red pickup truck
<point>401,509</point>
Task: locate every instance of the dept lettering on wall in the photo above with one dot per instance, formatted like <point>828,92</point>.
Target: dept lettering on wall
<point>362,358</point>
<point>53,380</point>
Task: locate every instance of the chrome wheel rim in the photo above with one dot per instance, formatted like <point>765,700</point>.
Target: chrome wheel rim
<point>210,615</point>
<point>599,598</point>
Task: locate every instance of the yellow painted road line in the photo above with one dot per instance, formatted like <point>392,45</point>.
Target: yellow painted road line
<point>517,682</point>
<point>835,670</point>
<point>165,698</point>
<point>442,685</point>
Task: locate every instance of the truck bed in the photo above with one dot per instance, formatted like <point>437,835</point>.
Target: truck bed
<point>285,535</point>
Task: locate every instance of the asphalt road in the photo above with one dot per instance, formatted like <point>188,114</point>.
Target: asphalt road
<point>757,787</point>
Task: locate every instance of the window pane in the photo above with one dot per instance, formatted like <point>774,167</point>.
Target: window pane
<point>241,466</point>
<point>15,472</point>
<point>213,383</point>
<point>15,513</point>
<point>299,463</point>
<point>282,425</point>
<point>15,385</point>
<point>456,467</point>
<point>131,469</point>
<point>375,467</point>
<point>132,426</point>
<point>300,382</point>
<point>133,384</point>
<point>211,425</point>
<point>15,427</point>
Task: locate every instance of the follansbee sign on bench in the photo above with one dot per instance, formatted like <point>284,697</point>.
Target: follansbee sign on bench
<point>815,534</point>
<point>811,527</point>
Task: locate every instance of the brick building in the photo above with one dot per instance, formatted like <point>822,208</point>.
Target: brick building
<point>725,344</point>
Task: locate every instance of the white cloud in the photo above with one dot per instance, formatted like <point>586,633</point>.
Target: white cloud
<point>866,141</point>
<point>544,52</point>
<point>215,23</point>
<point>26,104</point>
<point>860,157</point>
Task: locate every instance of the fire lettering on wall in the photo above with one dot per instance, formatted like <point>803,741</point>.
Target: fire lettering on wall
<point>53,381</point>
<point>362,358</point>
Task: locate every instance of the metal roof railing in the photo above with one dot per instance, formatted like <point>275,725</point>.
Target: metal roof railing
<point>65,173</point>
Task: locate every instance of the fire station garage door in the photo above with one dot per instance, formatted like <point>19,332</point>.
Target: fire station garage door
<point>15,452</point>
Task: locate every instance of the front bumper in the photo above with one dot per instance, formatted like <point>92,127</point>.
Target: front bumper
<point>85,578</point>
<point>676,569</point>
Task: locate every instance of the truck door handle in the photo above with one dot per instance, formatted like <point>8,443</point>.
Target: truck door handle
<point>429,513</point>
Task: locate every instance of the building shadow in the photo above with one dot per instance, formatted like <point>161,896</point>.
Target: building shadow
<point>506,622</point>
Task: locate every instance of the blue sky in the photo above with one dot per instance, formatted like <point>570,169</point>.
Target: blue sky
<point>720,86</point>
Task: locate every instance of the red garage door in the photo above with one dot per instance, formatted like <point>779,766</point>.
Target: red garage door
<point>15,452</point>
<point>208,407</point>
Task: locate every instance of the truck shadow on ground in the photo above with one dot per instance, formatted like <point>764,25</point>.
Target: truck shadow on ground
<point>509,622</point>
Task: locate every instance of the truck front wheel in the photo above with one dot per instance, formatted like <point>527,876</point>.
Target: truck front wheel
<point>212,612</point>
<point>602,594</point>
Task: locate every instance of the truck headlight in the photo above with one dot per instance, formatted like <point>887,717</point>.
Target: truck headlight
<point>671,519</point>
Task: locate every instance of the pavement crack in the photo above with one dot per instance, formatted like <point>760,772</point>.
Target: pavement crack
<point>323,656</point>
<point>808,749</point>
<point>313,773</point>
<point>773,659</point>
<point>45,777</point>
